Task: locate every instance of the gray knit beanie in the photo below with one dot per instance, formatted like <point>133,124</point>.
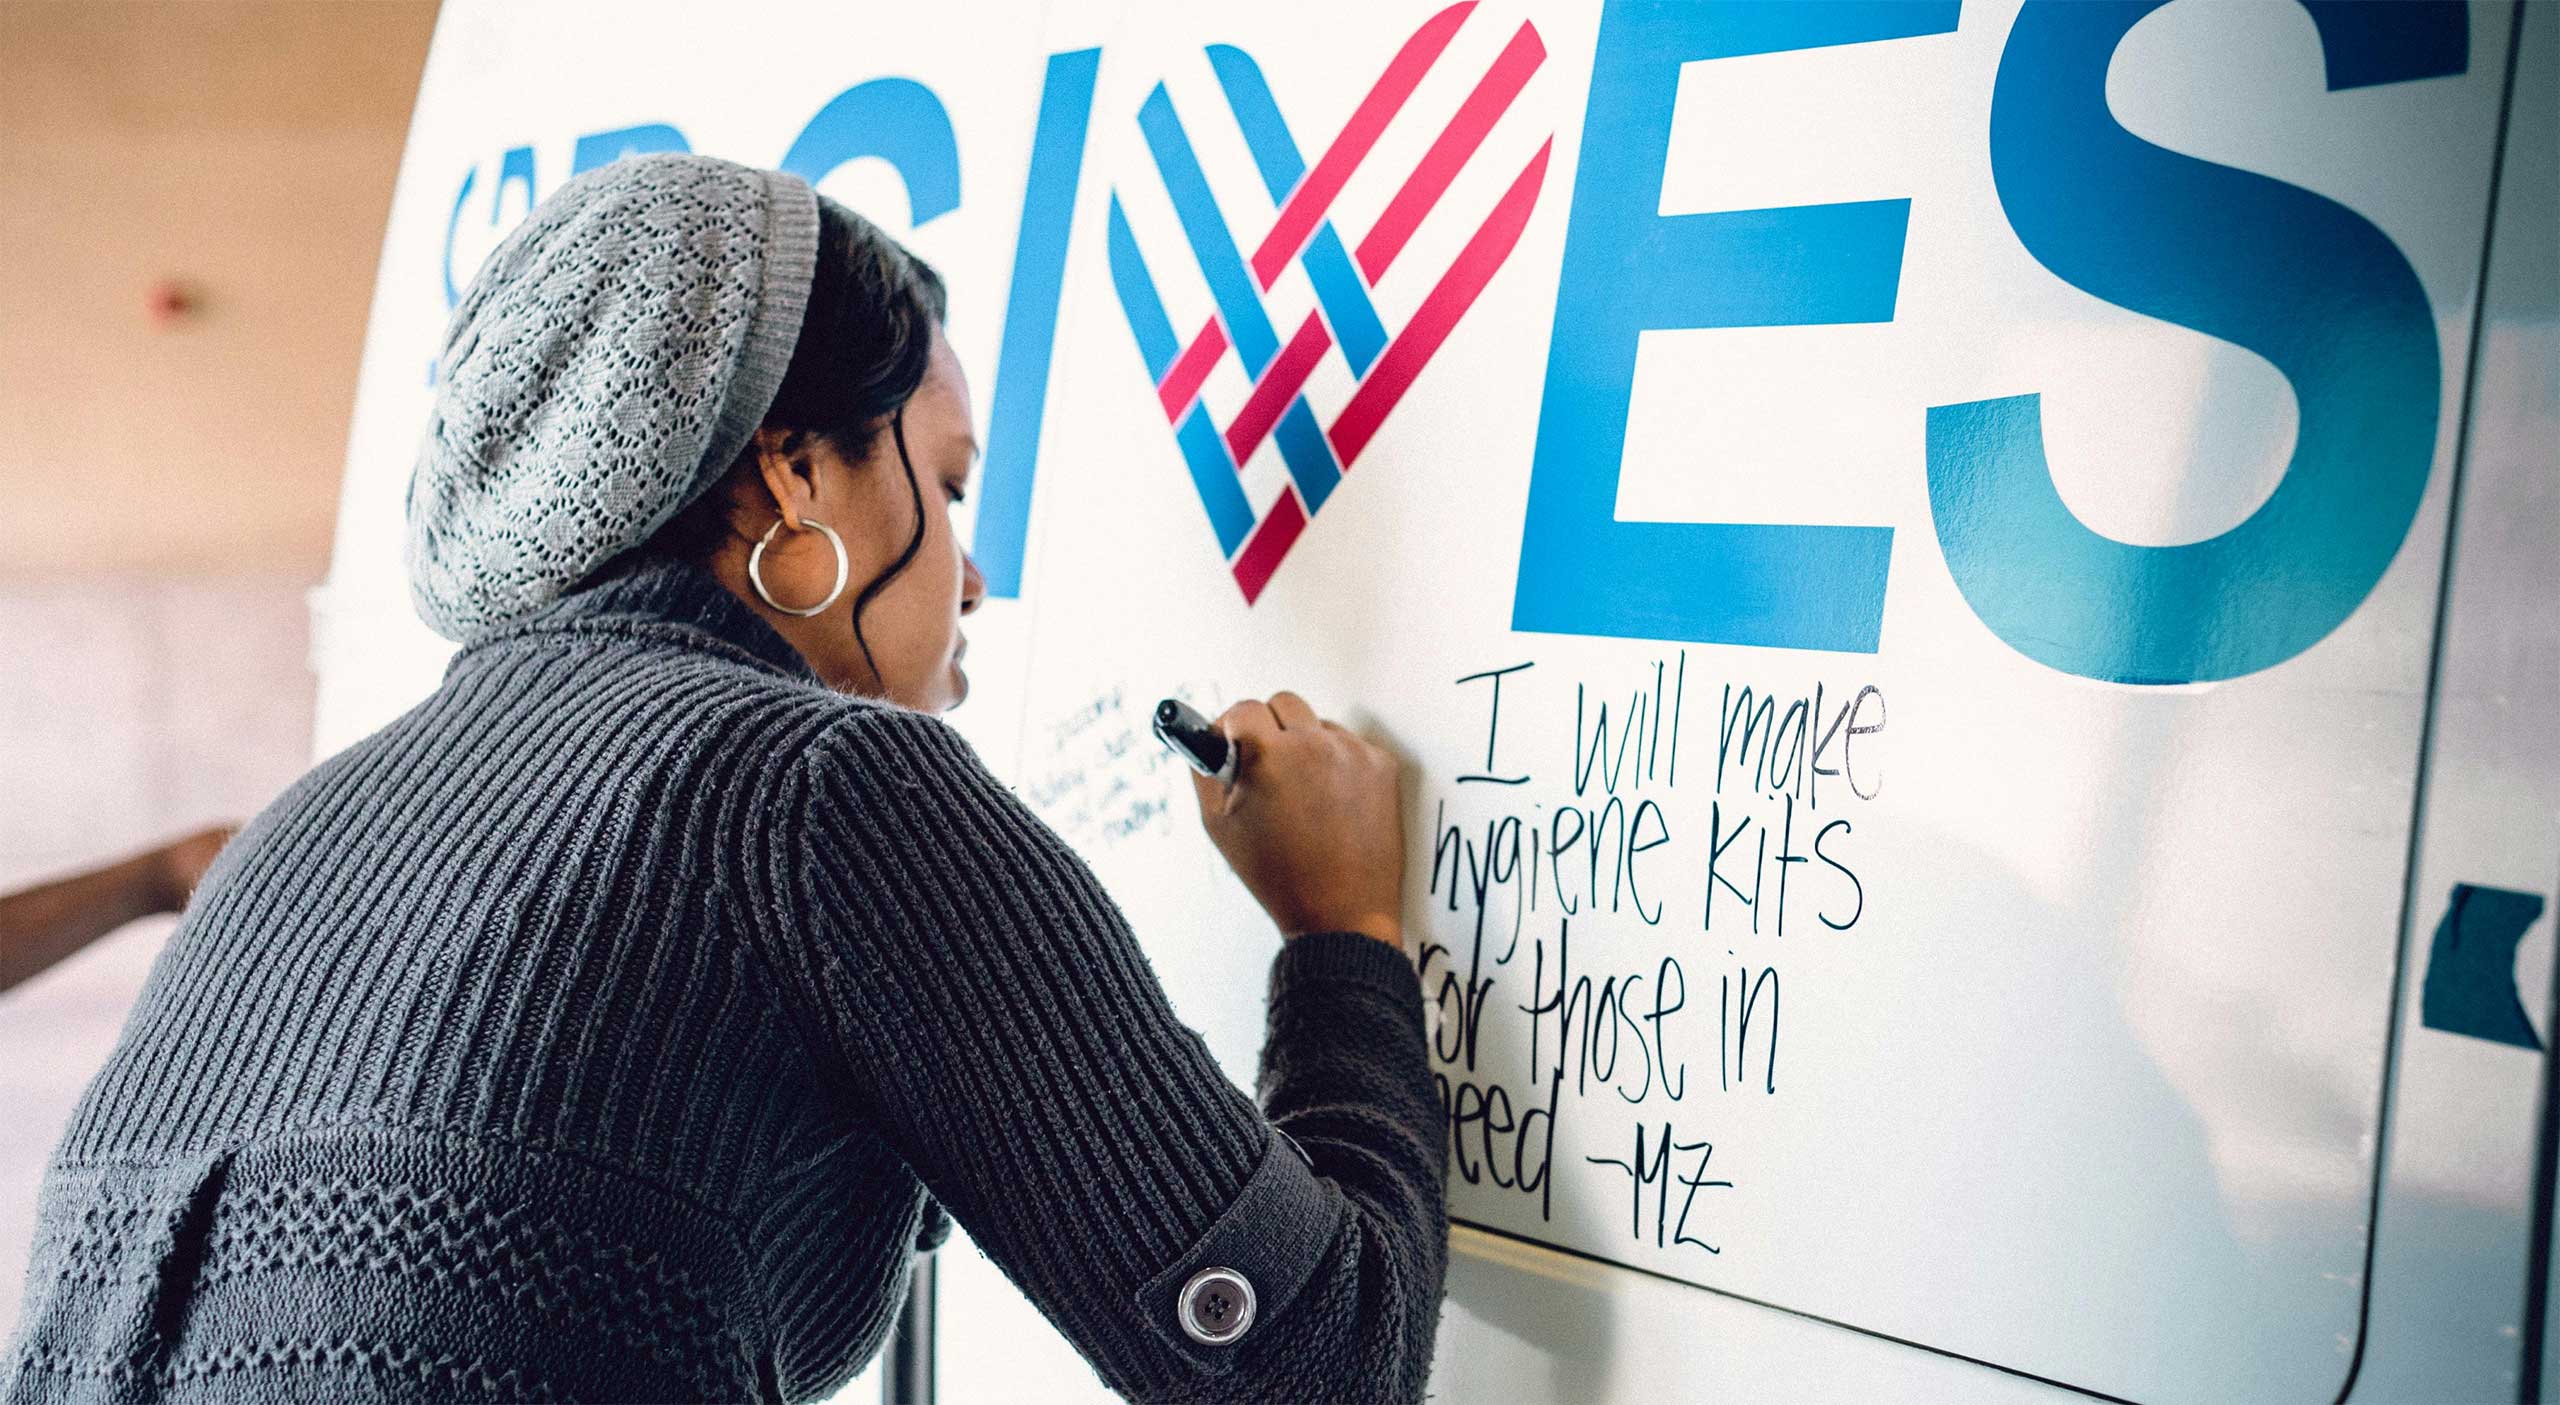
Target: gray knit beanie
<point>609,361</point>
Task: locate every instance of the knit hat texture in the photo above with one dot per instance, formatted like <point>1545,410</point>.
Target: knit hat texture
<point>610,359</point>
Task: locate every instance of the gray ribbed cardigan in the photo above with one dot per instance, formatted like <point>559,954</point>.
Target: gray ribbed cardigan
<point>614,1024</point>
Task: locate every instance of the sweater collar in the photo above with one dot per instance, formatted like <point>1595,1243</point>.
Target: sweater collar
<point>662,598</point>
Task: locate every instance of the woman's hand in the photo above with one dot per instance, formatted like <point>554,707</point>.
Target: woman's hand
<point>46,923</point>
<point>1314,823</point>
<point>182,864</point>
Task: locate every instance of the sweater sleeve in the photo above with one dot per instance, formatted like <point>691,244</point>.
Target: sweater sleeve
<point>983,1000</point>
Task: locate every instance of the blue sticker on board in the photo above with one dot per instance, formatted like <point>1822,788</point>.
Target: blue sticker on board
<point>2471,974</point>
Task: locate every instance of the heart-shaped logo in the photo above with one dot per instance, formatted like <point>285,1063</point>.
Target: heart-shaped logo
<point>1383,362</point>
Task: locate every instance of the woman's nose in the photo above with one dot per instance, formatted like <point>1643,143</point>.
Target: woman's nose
<point>973,586</point>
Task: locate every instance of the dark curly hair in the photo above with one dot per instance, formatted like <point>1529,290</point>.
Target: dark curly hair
<point>864,344</point>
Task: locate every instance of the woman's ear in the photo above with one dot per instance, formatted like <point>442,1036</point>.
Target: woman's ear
<point>788,476</point>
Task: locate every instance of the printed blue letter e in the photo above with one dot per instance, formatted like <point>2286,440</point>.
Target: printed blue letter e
<point>1628,269</point>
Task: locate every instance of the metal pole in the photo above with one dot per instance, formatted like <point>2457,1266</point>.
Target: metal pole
<point>908,1375</point>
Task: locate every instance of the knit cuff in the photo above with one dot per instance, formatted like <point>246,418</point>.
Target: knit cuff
<point>1319,957</point>
<point>1270,1241</point>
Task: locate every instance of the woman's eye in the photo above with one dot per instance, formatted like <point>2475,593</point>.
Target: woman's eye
<point>958,494</point>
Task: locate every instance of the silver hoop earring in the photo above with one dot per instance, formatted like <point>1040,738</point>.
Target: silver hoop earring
<point>755,566</point>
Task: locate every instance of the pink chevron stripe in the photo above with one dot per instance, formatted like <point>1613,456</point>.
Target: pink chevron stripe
<point>1307,204</point>
<point>1441,308</point>
<point>1182,379</point>
<point>1270,541</point>
<point>1450,151</point>
<point>1280,383</point>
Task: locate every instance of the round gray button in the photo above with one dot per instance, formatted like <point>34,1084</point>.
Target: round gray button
<point>1216,1306</point>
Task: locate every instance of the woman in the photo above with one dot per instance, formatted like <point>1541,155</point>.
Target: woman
<point>615,1023</point>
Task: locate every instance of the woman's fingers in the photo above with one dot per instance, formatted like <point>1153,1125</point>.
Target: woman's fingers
<point>1292,710</point>
<point>1250,722</point>
<point>1314,822</point>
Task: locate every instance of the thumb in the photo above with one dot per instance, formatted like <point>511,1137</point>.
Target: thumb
<point>1213,796</point>
<point>1228,796</point>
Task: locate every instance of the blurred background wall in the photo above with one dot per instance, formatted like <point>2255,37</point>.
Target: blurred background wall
<point>192,199</point>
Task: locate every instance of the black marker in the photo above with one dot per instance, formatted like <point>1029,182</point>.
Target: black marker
<point>1196,740</point>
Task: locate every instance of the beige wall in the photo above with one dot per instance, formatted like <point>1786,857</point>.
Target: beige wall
<point>248,150</point>
<point>133,707</point>
<point>166,496</point>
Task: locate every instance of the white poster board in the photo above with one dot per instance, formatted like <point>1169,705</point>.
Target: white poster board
<point>1904,547</point>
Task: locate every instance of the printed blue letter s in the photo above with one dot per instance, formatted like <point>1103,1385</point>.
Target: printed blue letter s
<point>2299,279</point>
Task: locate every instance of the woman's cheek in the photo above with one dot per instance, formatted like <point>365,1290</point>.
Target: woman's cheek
<point>948,574</point>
